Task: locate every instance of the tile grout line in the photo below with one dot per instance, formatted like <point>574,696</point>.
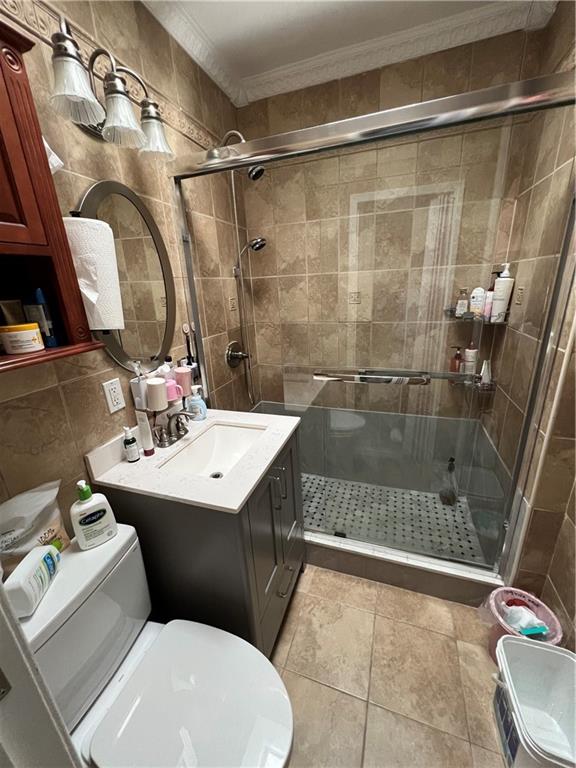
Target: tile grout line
<point>364,735</point>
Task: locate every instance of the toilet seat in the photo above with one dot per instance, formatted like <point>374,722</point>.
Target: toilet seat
<point>199,697</point>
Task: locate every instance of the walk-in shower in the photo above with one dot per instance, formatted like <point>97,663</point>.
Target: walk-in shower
<point>351,310</point>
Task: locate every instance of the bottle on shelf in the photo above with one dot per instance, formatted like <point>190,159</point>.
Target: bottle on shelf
<point>502,292</point>
<point>455,362</point>
<point>462,303</point>
<point>490,298</point>
<point>470,358</point>
<point>477,301</point>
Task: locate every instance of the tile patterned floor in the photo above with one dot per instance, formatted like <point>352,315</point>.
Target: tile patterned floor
<point>381,677</point>
<point>396,517</point>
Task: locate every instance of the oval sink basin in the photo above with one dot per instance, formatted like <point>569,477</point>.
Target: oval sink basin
<point>215,451</point>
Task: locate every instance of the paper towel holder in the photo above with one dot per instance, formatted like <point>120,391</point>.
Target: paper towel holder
<point>88,207</point>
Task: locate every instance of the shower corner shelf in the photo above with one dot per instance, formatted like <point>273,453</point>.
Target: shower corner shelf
<point>468,317</point>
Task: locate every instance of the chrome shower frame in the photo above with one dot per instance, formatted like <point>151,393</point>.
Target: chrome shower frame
<point>498,101</point>
<point>549,91</point>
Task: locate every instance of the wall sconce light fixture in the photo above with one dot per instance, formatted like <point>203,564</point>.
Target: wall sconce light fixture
<point>74,97</point>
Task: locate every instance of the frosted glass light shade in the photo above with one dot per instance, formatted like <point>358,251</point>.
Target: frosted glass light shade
<point>72,96</point>
<point>121,126</point>
<point>156,139</point>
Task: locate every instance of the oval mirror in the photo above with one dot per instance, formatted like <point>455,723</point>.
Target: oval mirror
<point>146,283</point>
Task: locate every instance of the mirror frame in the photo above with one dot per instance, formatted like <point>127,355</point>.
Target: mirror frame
<point>88,209</point>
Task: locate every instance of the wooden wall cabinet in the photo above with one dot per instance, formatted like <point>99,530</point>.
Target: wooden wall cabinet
<point>33,242</point>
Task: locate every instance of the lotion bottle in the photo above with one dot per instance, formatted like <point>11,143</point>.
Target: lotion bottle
<point>196,405</point>
<point>470,358</point>
<point>502,291</point>
<point>92,518</point>
<point>28,582</point>
<point>145,433</point>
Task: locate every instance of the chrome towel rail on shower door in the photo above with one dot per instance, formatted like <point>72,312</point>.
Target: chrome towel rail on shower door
<point>385,376</point>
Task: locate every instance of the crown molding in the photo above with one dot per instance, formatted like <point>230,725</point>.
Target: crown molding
<point>498,18</point>
<point>182,27</point>
<point>468,27</point>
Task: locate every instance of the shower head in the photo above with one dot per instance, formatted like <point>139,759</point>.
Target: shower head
<point>257,243</point>
<point>255,172</point>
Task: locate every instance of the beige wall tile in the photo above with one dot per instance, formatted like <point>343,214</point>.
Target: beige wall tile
<point>540,541</point>
<point>206,259</point>
<point>401,84</point>
<point>497,60</point>
<point>322,246</point>
<point>213,301</point>
<point>38,443</point>
<point>266,299</point>
<point>446,72</point>
<point>360,94</point>
<point>291,248</point>
<point>390,293</point>
<point>476,668</point>
<point>271,383</point>
<point>557,475</point>
<point>269,343</point>
<point>439,153</point>
<point>220,371</point>
<point>322,297</point>
<point>393,240</point>
<point>387,345</point>
<point>510,436</point>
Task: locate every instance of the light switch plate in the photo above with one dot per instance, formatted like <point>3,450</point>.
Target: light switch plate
<point>354,297</point>
<point>114,395</point>
<point>232,303</point>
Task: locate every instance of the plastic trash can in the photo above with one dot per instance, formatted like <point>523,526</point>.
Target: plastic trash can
<point>535,703</point>
<point>493,611</point>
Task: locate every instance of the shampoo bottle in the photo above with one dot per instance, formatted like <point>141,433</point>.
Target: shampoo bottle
<point>196,405</point>
<point>92,518</point>
<point>502,291</point>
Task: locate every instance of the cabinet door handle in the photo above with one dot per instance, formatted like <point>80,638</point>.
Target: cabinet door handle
<point>283,482</point>
<point>284,593</point>
<point>276,491</point>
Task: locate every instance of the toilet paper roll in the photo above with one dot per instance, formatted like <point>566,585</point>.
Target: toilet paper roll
<point>92,246</point>
<point>156,394</point>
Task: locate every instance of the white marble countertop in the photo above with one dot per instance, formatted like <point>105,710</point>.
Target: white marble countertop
<point>151,475</point>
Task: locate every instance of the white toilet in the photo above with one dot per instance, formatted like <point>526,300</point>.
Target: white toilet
<point>137,693</point>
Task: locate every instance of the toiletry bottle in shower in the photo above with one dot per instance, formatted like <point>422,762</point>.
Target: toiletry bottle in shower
<point>470,358</point>
<point>490,298</point>
<point>502,291</point>
<point>462,303</point>
<point>455,362</point>
<point>449,491</point>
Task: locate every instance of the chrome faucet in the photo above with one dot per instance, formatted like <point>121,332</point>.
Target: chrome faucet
<point>176,426</point>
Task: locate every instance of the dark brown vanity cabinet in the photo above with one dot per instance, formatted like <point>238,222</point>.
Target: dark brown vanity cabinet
<point>233,571</point>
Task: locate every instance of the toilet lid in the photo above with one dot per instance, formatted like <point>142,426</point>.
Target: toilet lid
<point>199,697</point>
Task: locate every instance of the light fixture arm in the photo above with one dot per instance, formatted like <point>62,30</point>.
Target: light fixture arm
<point>136,76</point>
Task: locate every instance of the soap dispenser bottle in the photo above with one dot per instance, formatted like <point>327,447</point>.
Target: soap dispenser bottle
<point>455,362</point>
<point>92,518</point>
<point>196,405</point>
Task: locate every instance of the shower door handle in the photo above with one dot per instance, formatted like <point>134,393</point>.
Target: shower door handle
<point>369,377</point>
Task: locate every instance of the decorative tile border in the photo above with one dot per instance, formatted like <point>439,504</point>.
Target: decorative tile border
<point>41,20</point>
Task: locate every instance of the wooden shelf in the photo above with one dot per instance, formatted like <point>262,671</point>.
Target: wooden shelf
<point>11,362</point>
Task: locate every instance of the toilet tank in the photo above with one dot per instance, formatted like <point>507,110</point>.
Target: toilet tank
<point>88,620</point>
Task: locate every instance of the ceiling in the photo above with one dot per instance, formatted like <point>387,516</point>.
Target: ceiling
<point>258,49</point>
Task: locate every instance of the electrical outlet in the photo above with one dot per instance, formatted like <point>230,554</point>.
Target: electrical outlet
<point>114,395</point>
<point>519,296</point>
<point>354,297</point>
<point>232,303</point>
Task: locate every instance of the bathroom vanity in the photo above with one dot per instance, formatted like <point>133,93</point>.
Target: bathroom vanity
<point>219,518</point>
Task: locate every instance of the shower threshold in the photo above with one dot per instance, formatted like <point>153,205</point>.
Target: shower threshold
<point>392,518</point>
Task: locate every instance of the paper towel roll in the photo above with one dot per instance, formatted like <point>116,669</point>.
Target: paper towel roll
<point>92,246</point>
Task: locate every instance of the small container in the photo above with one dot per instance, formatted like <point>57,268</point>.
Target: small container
<point>173,390</point>
<point>470,358</point>
<point>28,582</point>
<point>92,518</point>
<point>156,395</point>
<point>21,339</point>
<point>131,450</point>
<point>477,301</point>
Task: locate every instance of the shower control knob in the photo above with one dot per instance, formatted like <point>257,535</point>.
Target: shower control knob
<point>234,354</point>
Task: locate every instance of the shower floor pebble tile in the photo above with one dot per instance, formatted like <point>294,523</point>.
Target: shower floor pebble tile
<point>396,517</point>
<point>372,688</point>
